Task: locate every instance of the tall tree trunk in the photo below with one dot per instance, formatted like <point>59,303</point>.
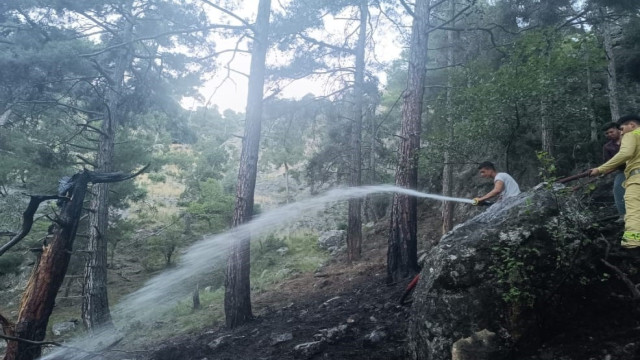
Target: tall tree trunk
<point>612,80</point>
<point>370,212</point>
<point>95,304</point>
<point>237,296</point>
<point>593,125</point>
<point>402,256</point>
<point>354,230</point>
<point>447,171</point>
<point>546,128</point>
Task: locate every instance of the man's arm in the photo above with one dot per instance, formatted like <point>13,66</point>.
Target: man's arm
<point>627,149</point>
<point>497,189</point>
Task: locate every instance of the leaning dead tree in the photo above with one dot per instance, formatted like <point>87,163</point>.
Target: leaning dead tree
<point>48,274</point>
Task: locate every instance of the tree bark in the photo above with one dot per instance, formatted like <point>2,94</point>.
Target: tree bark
<point>354,230</point>
<point>593,125</point>
<point>612,80</point>
<point>402,257</point>
<point>546,128</point>
<point>237,297</point>
<point>447,170</point>
<point>95,304</point>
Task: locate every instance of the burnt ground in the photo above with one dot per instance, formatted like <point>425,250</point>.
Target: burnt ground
<point>361,321</point>
<point>338,312</point>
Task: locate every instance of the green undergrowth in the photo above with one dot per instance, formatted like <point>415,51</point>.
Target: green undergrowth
<point>270,265</point>
<point>181,319</point>
<point>276,258</point>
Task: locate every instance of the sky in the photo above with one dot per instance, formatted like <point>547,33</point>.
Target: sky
<point>228,90</point>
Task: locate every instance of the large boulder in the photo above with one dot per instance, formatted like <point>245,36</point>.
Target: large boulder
<point>507,272</point>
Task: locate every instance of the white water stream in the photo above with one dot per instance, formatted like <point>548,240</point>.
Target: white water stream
<point>165,290</point>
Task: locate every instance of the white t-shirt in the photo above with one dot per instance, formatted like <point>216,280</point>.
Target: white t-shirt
<point>511,187</point>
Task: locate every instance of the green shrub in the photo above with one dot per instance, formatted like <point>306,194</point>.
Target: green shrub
<point>10,263</point>
<point>156,177</point>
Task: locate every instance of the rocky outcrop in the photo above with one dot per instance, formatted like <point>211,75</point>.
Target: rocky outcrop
<point>496,283</point>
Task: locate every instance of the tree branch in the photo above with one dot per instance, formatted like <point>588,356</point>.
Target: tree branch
<point>166,33</point>
<point>93,128</point>
<point>96,177</point>
<point>86,161</point>
<point>243,21</point>
<point>407,8</point>
<point>40,343</point>
<point>324,44</point>
<point>632,287</point>
<point>453,18</point>
<point>27,220</point>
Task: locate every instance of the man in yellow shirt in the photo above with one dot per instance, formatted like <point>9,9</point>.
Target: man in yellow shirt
<point>629,154</point>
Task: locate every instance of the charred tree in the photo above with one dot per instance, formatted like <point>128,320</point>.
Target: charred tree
<point>354,230</point>
<point>237,297</point>
<point>402,256</point>
<point>49,272</point>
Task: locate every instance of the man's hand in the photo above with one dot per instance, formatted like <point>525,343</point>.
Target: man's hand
<point>594,172</point>
<point>476,201</point>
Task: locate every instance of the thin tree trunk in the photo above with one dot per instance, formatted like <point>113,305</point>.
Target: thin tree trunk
<point>402,257</point>
<point>369,203</point>
<point>447,171</point>
<point>612,80</point>
<point>593,125</point>
<point>354,231</point>
<point>95,304</point>
<point>196,298</point>
<point>237,297</point>
<point>286,181</point>
<point>546,128</point>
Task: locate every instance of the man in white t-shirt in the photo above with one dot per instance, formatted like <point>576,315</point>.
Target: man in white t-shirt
<point>504,185</point>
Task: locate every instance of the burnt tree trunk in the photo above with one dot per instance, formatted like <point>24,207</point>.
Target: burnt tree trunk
<point>47,277</point>
<point>402,256</point>
<point>95,302</point>
<point>237,296</point>
<point>354,229</point>
<point>49,272</point>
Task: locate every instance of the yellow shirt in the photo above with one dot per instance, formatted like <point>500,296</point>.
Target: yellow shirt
<point>629,153</point>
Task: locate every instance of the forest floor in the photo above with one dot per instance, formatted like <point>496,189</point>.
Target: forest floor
<point>337,312</point>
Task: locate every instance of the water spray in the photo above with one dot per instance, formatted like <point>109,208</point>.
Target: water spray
<point>165,290</point>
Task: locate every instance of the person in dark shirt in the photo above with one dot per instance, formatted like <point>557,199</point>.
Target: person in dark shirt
<point>613,133</point>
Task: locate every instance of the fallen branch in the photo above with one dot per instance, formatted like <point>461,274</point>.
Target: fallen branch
<point>632,287</point>
<point>30,342</point>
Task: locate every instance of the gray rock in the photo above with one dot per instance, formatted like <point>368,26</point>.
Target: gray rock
<point>332,335</point>
<point>375,337</point>
<point>219,342</point>
<point>333,239</point>
<point>64,327</point>
<point>482,345</point>
<point>283,251</point>
<point>280,338</point>
<point>309,349</point>
<point>501,271</point>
